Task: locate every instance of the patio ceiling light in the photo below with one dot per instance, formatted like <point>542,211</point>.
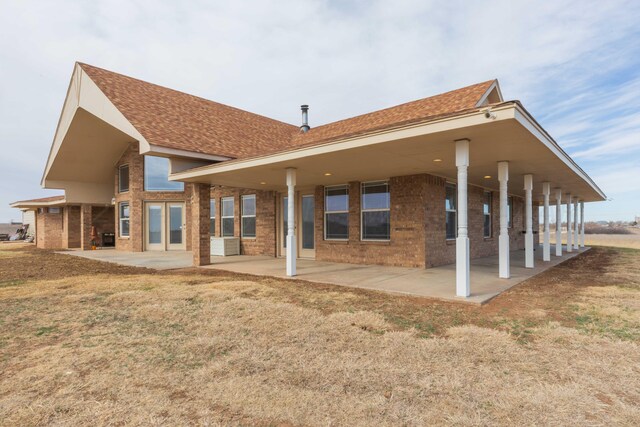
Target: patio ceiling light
<point>263,183</point>
<point>327,174</point>
<point>487,177</point>
<point>437,160</point>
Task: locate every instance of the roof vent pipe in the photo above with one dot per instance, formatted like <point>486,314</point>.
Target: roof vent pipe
<point>305,119</point>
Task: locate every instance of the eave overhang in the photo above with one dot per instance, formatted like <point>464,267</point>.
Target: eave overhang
<point>512,135</point>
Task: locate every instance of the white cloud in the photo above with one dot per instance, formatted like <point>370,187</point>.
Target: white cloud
<point>343,58</point>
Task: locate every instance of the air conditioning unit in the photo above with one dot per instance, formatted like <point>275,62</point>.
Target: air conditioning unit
<point>225,246</point>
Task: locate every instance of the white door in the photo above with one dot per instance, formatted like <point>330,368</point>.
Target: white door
<point>305,225</point>
<point>175,226</point>
<point>164,226</point>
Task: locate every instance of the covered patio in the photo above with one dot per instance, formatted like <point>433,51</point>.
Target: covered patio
<point>438,282</point>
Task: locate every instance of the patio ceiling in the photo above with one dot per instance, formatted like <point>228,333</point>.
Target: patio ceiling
<point>512,135</point>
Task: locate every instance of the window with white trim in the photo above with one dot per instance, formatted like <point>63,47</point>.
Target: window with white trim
<point>336,212</point>
<point>212,217</point>
<point>375,211</point>
<point>123,216</point>
<point>227,217</point>
<point>123,179</point>
<point>451,211</point>
<point>486,211</point>
<point>249,215</point>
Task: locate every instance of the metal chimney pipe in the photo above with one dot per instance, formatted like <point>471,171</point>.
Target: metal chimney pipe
<point>305,119</point>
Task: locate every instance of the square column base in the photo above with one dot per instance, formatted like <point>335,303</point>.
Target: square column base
<point>528,250</point>
<point>504,270</point>
<point>463,286</point>
<point>291,255</point>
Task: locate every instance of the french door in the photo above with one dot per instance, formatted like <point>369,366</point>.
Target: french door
<point>305,224</point>
<point>164,226</point>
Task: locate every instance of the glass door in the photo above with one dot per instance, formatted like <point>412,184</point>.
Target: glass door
<point>154,227</point>
<point>175,226</point>
<point>306,218</point>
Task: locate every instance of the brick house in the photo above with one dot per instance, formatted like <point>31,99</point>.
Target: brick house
<point>435,181</point>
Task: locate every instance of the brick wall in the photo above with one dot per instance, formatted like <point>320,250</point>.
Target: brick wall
<point>265,241</point>
<point>49,229</point>
<point>136,196</point>
<point>418,236</point>
<point>71,232</point>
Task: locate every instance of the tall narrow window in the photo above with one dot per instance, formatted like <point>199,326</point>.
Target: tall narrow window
<point>227,217</point>
<point>123,179</point>
<point>510,211</point>
<point>451,212</point>
<point>249,216</point>
<point>212,217</point>
<point>156,175</point>
<point>376,205</point>
<point>336,213</point>
<point>486,208</point>
<point>124,219</point>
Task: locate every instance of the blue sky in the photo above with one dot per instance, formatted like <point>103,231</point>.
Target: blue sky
<point>575,65</point>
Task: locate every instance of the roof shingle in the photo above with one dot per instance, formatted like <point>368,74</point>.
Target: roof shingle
<point>172,119</point>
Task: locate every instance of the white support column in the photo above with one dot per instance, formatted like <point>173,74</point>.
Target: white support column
<point>291,236</point>
<point>463,286</point>
<point>528,237</point>
<point>503,240</point>
<point>569,227</point>
<point>581,223</point>
<point>576,229</point>
<point>558,222</point>
<point>546,243</point>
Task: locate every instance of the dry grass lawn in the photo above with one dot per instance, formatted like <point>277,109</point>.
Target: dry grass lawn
<point>88,343</point>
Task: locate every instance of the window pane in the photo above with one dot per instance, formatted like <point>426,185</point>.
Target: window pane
<point>451,225</point>
<point>336,199</point>
<point>308,231</point>
<point>337,226</point>
<point>249,226</point>
<point>227,227</point>
<point>227,207</point>
<point>124,227</point>
<point>155,224</point>
<point>248,205</point>
<point>487,203</point>
<point>450,198</point>
<point>156,175</point>
<point>487,226</point>
<point>175,224</point>
<point>375,225</point>
<point>375,196</point>
<point>123,178</point>
<point>124,210</point>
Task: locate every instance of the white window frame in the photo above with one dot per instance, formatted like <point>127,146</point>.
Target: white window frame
<point>120,190</point>
<point>455,203</point>
<point>363,210</point>
<point>490,214</point>
<point>212,216</point>
<point>345,186</point>
<point>121,219</point>
<point>222,216</point>
<point>243,216</point>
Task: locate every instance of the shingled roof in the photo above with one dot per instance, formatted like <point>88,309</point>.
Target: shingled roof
<point>172,119</point>
<point>43,200</point>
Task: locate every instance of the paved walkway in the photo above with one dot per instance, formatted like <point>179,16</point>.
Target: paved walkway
<point>438,282</point>
<point>157,260</point>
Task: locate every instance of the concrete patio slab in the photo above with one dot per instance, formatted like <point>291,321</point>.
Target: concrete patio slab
<point>438,282</point>
<point>157,260</point>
